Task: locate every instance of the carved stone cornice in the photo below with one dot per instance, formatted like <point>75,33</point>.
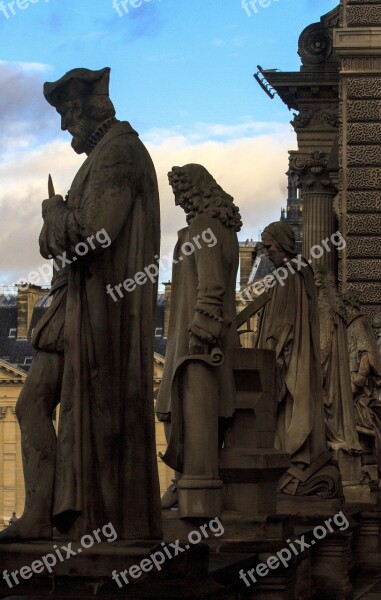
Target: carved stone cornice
<point>298,88</point>
<point>357,41</point>
<point>315,116</point>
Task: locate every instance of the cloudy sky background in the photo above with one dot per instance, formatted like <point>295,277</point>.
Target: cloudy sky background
<point>182,74</point>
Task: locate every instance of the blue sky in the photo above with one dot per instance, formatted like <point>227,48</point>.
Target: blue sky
<point>182,74</point>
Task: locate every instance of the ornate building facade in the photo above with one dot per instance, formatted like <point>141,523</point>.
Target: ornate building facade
<point>337,98</point>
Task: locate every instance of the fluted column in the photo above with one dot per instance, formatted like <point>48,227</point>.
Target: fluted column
<point>319,221</point>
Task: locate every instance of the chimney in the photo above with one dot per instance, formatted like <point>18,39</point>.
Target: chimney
<point>247,255</point>
<point>167,307</point>
<point>26,300</point>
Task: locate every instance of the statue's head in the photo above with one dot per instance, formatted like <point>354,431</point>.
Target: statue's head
<point>352,304</point>
<point>278,240</point>
<point>196,191</point>
<point>81,97</point>
<point>324,278</point>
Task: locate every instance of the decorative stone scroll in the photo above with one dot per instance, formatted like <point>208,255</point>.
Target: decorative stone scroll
<point>315,44</point>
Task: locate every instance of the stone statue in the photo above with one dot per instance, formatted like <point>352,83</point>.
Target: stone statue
<point>365,369</point>
<point>94,349</point>
<point>340,416</point>
<point>376,325</point>
<point>289,324</point>
<point>203,308</point>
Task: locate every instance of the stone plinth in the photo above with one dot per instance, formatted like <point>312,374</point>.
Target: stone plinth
<point>308,505</point>
<point>250,467</point>
<point>236,527</point>
<point>367,541</point>
<point>98,571</point>
<point>200,486</point>
<point>331,564</point>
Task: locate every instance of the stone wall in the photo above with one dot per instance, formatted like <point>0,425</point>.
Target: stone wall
<point>358,45</point>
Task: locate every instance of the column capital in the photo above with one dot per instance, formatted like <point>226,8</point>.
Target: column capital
<point>311,169</point>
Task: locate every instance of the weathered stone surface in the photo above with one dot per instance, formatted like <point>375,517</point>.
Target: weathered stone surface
<point>105,447</point>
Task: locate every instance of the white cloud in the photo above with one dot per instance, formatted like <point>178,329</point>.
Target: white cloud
<point>250,164</point>
<point>249,161</point>
<point>27,66</point>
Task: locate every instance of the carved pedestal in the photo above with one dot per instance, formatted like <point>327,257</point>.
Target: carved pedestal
<point>249,465</point>
<point>120,570</point>
<point>367,540</point>
<point>350,466</point>
<point>331,564</point>
<point>200,487</point>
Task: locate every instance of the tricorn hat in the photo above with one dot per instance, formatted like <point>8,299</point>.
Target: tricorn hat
<point>77,83</point>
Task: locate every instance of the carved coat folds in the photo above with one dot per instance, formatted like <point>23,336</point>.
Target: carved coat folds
<point>204,281</point>
<point>106,467</point>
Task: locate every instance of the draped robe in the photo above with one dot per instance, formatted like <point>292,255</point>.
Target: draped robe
<point>289,325</point>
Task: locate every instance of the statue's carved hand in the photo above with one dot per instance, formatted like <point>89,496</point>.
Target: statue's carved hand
<point>197,346</point>
<point>53,201</point>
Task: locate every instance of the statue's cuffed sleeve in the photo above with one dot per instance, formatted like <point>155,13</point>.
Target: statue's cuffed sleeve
<point>208,322</point>
<point>104,208</point>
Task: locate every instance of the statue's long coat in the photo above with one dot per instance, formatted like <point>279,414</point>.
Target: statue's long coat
<point>204,279</point>
<point>106,465</point>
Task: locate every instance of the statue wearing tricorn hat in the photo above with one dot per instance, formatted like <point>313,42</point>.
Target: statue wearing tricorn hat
<point>94,355</point>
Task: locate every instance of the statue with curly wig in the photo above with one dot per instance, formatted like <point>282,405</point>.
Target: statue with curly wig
<point>202,329</point>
